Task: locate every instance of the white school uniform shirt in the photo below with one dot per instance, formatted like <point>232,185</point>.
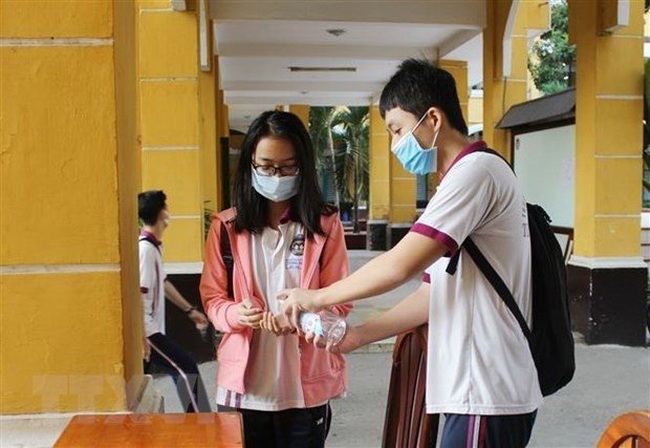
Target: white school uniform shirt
<point>273,372</point>
<point>152,283</point>
<point>478,360</point>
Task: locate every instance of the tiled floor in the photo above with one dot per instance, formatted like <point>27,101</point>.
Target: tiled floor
<point>31,431</point>
<point>609,380</point>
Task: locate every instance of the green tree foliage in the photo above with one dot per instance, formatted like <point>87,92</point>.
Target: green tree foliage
<point>325,144</point>
<point>341,139</point>
<point>352,124</point>
<point>552,55</point>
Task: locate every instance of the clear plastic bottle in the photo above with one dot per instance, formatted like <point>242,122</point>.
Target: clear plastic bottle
<point>324,324</point>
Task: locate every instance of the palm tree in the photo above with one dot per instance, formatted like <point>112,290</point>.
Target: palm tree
<point>320,128</point>
<point>352,124</point>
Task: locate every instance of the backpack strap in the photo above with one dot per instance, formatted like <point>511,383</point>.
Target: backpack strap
<point>498,284</point>
<point>148,240</point>
<point>489,272</point>
<point>226,255</point>
<point>453,261</point>
<point>494,153</point>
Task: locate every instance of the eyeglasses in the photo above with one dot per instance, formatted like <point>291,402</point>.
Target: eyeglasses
<point>270,170</point>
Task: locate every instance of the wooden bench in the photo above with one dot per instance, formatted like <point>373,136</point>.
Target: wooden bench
<point>219,430</point>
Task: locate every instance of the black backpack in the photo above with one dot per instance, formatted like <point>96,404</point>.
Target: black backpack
<point>550,341</point>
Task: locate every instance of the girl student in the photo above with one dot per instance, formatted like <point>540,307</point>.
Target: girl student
<point>281,234</point>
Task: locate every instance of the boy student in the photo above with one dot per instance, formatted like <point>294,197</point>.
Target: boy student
<point>480,372</point>
<point>154,286</point>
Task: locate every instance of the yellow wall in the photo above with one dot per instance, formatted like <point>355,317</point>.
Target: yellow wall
<point>63,341</point>
<point>210,112</point>
<point>501,91</point>
<point>302,111</point>
<point>128,181</point>
<point>458,70</point>
<point>170,126</point>
<point>402,192</point>
<point>379,176</point>
<point>224,128</point>
<point>609,113</point>
<point>475,110</point>
<point>63,134</point>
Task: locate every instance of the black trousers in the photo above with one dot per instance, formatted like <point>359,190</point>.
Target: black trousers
<point>173,359</point>
<point>291,428</point>
<point>487,431</point>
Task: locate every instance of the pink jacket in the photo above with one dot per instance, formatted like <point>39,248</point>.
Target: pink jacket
<point>325,261</point>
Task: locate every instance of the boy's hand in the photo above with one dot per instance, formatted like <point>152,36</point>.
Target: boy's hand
<point>296,300</point>
<point>198,318</point>
<point>146,349</point>
<point>352,340</point>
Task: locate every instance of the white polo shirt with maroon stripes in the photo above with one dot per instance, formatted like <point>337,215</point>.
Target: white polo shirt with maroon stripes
<point>478,358</point>
<point>152,283</point>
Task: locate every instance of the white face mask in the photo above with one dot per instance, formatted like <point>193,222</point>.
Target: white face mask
<point>166,218</point>
<point>274,188</point>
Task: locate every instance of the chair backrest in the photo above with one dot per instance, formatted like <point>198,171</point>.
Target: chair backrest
<point>629,430</point>
<point>407,424</point>
<point>566,244</point>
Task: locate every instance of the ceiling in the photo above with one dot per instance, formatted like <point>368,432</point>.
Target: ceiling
<point>341,52</point>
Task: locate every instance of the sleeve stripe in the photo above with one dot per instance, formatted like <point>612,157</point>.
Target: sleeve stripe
<point>436,234</point>
<point>426,277</point>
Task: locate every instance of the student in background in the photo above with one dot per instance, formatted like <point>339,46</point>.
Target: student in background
<point>160,350</point>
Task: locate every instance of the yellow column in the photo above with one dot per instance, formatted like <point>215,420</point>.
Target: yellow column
<point>458,70</point>
<point>609,115</point>
<point>225,122</point>
<point>227,164</point>
<point>379,180</point>
<point>502,91</point>
<point>302,111</point>
<point>68,271</point>
<point>609,277</point>
<point>402,187</point>
<point>209,131</point>
<point>170,113</point>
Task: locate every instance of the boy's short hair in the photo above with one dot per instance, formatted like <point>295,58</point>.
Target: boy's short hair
<point>418,85</point>
<point>150,204</point>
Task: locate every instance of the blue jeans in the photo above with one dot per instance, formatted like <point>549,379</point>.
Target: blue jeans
<point>291,428</point>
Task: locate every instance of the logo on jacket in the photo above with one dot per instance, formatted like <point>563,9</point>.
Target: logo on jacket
<point>297,246</point>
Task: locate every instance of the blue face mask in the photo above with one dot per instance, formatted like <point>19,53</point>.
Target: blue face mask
<point>413,157</point>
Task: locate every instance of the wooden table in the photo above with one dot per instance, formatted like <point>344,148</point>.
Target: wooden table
<point>222,430</point>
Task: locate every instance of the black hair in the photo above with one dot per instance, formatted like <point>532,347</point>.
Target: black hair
<point>418,85</point>
<point>150,204</point>
<point>253,208</point>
